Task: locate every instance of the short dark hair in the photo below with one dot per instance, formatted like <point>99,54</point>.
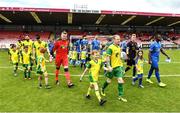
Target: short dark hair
<point>157,36</point>
<point>13,46</point>
<point>38,36</point>
<point>25,46</point>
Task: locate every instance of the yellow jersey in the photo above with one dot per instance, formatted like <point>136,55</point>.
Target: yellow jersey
<point>94,68</point>
<point>114,52</point>
<point>74,55</point>
<point>26,57</point>
<point>41,66</point>
<point>9,51</point>
<point>70,54</point>
<point>20,46</point>
<point>83,55</point>
<point>29,44</point>
<point>139,64</point>
<point>14,56</point>
<point>38,45</point>
<point>103,56</point>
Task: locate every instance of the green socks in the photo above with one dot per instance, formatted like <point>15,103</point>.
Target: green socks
<point>120,89</point>
<point>105,85</point>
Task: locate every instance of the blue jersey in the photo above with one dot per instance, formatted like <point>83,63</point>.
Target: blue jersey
<point>123,45</point>
<point>155,50</point>
<point>95,45</point>
<point>78,45</point>
<point>84,42</point>
<point>50,46</point>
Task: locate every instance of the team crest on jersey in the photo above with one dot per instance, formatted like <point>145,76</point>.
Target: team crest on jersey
<point>63,47</point>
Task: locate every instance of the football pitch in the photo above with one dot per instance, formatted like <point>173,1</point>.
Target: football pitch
<point>19,95</point>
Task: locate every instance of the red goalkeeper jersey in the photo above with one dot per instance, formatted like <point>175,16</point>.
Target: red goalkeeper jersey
<point>61,48</point>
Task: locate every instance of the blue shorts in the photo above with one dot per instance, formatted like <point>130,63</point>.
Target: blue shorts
<point>83,61</point>
<point>73,62</point>
<point>95,48</point>
<point>140,75</point>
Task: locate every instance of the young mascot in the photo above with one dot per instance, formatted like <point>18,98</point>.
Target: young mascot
<point>94,67</point>
<point>41,68</point>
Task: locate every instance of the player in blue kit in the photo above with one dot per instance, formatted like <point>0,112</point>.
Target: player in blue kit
<point>51,46</point>
<point>78,47</point>
<point>123,45</point>
<point>95,44</point>
<point>84,42</point>
<point>154,52</point>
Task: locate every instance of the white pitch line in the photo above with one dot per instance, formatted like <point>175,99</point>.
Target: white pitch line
<point>20,68</point>
<point>53,65</point>
<point>176,75</point>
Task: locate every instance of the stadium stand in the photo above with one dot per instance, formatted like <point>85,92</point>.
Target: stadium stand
<point>9,37</point>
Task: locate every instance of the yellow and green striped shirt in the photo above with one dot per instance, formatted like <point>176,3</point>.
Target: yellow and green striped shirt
<point>38,46</point>
<point>74,55</point>
<point>94,68</point>
<point>114,52</point>
<point>29,44</point>
<point>26,57</point>
<point>83,55</point>
<point>14,56</point>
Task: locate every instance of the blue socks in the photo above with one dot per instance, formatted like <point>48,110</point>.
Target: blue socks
<point>157,75</point>
<point>150,72</point>
<point>139,77</point>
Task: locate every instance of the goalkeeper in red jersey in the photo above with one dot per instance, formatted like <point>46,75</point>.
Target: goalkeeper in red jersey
<point>61,49</point>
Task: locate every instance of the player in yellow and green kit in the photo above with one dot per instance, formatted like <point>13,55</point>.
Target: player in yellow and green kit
<point>20,48</point>
<point>41,68</point>
<point>9,50</point>
<point>83,55</point>
<point>74,56</point>
<point>115,65</point>
<point>29,43</point>
<point>37,45</point>
<point>94,67</point>
<point>26,61</point>
<point>103,56</point>
<point>14,57</point>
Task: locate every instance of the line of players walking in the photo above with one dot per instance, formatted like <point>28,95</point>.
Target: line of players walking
<point>91,57</point>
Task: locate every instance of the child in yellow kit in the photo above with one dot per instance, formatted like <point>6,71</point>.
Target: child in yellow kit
<point>41,69</point>
<point>139,67</point>
<point>94,67</point>
<point>14,57</point>
<point>26,56</point>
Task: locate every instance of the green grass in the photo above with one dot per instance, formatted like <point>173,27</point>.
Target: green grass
<point>18,95</point>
